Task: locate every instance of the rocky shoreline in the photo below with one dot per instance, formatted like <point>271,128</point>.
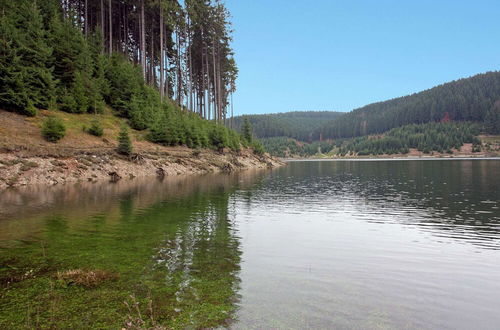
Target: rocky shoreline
<point>22,169</point>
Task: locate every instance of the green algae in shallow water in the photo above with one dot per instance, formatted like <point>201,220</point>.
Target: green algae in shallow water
<point>175,262</point>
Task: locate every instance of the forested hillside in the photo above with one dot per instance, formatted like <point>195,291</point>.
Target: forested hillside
<point>427,138</point>
<point>470,99</point>
<point>164,66</point>
<point>299,125</point>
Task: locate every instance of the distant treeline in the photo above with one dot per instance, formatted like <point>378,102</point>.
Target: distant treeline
<point>438,137</point>
<point>427,138</point>
<point>289,147</point>
<point>470,99</point>
<point>299,125</point>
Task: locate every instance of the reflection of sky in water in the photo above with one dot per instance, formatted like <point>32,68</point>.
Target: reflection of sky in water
<point>349,245</point>
<point>372,245</point>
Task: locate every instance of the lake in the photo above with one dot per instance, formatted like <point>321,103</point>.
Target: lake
<point>316,244</point>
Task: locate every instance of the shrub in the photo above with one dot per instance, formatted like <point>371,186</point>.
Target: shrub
<point>53,129</point>
<point>95,128</point>
<point>218,137</point>
<point>258,148</point>
<point>124,143</point>
<point>247,131</point>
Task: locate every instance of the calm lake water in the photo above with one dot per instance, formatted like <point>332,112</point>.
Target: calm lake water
<point>316,244</point>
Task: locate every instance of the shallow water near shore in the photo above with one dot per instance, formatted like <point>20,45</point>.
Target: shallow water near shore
<point>351,245</point>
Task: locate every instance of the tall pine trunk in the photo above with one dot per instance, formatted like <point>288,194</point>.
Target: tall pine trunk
<point>86,26</point>
<point>143,42</point>
<point>162,59</point>
<point>110,28</point>
<point>102,26</point>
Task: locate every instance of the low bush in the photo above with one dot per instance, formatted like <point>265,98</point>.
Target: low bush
<point>53,129</point>
<point>95,128</point>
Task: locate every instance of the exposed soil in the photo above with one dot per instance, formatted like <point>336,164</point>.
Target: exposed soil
<point>26,159</point>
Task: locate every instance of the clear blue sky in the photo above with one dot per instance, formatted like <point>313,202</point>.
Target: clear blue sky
<point>343,54</point>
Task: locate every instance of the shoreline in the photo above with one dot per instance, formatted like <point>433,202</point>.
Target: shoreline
<point>483,157</point>
<point>18,169</point>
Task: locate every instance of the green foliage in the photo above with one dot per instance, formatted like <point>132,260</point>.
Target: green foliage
<point>26,81</point>
<point>234,140</point>
<point>44,53</point>
<point>298,124</point>
<point>439,137</point>
<point>462,100</point>
<point>246,131</point>
<point>75,67</point>
<point>124,143</point>
<point>219,138</point>
<point>258,148</point>
<point>125,84</point>
<point>430,137</point>
<point>287,147</point>
<point>95,128</point>
<point>53,129</point>
<point>492,119</point>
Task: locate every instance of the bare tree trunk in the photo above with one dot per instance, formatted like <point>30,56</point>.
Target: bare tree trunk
<point>86,26</point>
<point>102,25</point>
<point>162,59</point>
<point>167,91</point>
<point>189,47</point>
<point>110,29</point>
<point>216,110</point>
<point>208,108</point>
<point>179,68</point>
<point>152,58</point>
<point>143,42</point>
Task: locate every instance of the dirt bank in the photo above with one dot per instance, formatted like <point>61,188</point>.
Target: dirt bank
<point>26,159</point>
<point>20,169</point>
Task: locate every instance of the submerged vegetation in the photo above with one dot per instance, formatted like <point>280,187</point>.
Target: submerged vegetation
<point>126,266</point>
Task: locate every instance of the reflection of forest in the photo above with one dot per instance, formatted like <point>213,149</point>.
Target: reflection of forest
<point>22,209</point>
<point>173,244</point>
<point>456,198</point>
<point>200,260</point>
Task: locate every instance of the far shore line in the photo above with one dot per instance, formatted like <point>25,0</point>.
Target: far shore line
<point>390,158</point>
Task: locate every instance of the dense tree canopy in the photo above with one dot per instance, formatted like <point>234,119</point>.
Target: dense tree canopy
<point>182,49</point>
<point>163,65</point>
<point>438,137</point>
<point>467,99</point>
<point>298,124</point>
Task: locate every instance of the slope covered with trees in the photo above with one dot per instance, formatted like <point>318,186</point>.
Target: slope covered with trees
<point>289,147</point>
<point>299,125</point>
<point>427,138</point>
<point>162,65</point>
<point>471,99</point>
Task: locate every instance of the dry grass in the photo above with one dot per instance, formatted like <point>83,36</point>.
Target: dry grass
<point>86,278</point>
<point>135,320</point>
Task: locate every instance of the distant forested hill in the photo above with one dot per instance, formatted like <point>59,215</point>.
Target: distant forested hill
<point>299,125</point>
<point>469,99</point>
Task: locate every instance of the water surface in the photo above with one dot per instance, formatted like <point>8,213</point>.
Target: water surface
<point>350,245</point>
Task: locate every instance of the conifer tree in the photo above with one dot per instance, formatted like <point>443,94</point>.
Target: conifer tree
<point>25,75</point>
<point>492,119</point>
<point>124,143</point>
<point>246,131</point>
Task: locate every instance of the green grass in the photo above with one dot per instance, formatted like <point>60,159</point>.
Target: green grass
<point>195,288</point>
